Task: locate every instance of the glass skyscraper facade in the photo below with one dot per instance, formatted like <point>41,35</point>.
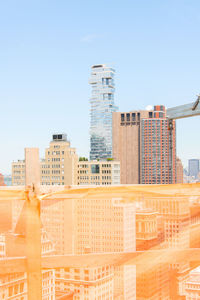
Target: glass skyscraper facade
<point>193,167</point>
<point>102,107</point>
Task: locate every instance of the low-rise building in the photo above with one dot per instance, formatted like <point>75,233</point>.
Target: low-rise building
<point>149,229</point>
<point>18,172</point>
<point>2,183</point>
<point>57,168</point>
<point>192,285</point>
<point>98,172</point>
<point>95,282</point>
<point>8,180</point>
<point>14,286</point>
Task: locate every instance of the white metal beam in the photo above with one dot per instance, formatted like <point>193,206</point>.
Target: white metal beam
<point>184,111</point>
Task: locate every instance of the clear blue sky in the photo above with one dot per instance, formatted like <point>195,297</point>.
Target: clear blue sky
<point>47,48</point>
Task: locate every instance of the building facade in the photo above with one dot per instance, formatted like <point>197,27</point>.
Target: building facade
<point>2,183</point>
<point>157,166</point>
<point>98,173</point>
<point>192,286</point>
<point>193,168</point>
<point>175,212</point>
<point>80,225</point>
<point>95,282</point>
<point>179,170</point>
<point>18,172</point>
<point>8,180</point>
<point>102,107</point>
<point>153,284</point>
<point>149,229</point>
<point>110,232</point>
<point>14,286</point>
<point>141,144</point>
<point>113,231</point>
<point>58,167</point>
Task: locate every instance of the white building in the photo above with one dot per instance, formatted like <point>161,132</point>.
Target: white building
<point>98,172</point>
<point>102,107</point>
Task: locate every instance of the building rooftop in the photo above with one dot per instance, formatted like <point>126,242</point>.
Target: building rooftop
<point>58,137</point>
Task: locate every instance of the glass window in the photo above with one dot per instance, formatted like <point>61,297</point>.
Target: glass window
<point>95,169</point>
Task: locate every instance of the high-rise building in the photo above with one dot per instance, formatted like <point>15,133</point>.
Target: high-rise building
<point>193,167</point>
<point>141,142</point>
<point>81,225</point>
<point>179,170</point>
<point>113,231</point>
<point>126,144</point>
<point>175,213</point>
<point>98,173</point>
<point>58,167</point>
<point>157,165</point>
<point>102,107</point>
<point>110,232</point>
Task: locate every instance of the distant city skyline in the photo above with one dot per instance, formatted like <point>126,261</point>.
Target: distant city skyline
<point>47,51</point>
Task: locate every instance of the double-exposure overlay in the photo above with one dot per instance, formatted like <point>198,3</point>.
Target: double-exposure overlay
<point>125,242</point>
<point>99,156</point>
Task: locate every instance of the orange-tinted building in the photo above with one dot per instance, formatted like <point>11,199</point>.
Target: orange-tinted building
<point>176,216</point>
<point>192,290</point>
<point>154,283</point>
<point>175,212</point>
<point>195,225</point>
<point>149,229</point>
<point>2,183</point>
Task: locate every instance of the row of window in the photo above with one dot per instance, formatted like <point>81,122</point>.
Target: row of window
<point>56,152</point>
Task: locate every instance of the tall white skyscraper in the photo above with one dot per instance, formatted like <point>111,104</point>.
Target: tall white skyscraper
<point>102,107</point>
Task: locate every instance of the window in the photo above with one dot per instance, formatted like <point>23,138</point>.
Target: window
<point>95,169</point>
<point>150,114</point>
